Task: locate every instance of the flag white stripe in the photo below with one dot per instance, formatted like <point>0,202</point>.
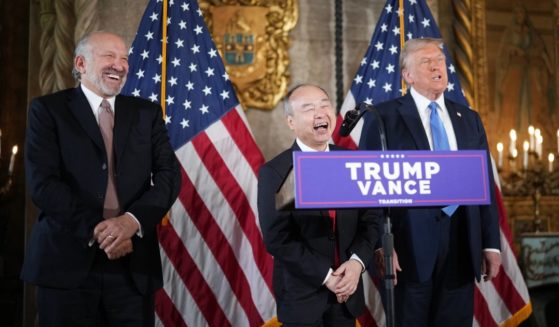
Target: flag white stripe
<point>245,177</point>
<point>175,287</point>
<point>210,269</point>
<point>222,213</point>
<point>373,301</point>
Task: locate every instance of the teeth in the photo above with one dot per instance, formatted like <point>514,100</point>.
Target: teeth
<point>113,76</point>
<point>325,125</point>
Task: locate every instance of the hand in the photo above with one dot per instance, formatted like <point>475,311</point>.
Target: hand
<point>490,265</point>
<point>349,271</point>
<point>331,282</point>
<point>110,233</point>
<point>121,250</point>
<point>379,263</point>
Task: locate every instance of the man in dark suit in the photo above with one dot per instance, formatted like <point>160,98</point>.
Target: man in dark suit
<point>440,250</point>
<point>311,287</point>
<point>101,191</point>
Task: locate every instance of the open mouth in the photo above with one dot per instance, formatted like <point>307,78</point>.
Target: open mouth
<point>437,77</point>
<point>320,126</point>
<point>113,77</point>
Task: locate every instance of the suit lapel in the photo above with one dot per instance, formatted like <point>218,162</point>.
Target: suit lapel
<point>80,108</point>
<point>457,117</point>
<point>410,115</point>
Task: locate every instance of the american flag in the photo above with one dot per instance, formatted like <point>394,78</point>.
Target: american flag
<point>504,300</point>
<point>215,267</point>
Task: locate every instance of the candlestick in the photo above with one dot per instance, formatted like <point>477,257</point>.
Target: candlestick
<point>526,145</point>
<point>512,135</point>
<point>550,158</point>
<point>500,157</point>
<point>12,159</point>
<point>532,139</point>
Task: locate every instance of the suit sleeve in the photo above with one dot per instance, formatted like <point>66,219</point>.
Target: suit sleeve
<point>158,198</point>
<point>490,228</point>
<point>44,172</point>
<point>281,237</point>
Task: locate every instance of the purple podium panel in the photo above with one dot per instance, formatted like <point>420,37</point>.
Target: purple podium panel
<point>357,179</point>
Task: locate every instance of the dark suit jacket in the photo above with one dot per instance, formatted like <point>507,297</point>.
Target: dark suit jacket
<point>415,229</point>
<point>66,168</point>
<point>302,244</point>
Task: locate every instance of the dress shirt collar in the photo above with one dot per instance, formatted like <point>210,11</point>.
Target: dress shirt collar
<point>95,101</point>
<point>306,148</point>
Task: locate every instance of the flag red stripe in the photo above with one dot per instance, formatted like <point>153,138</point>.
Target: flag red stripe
<point>218,245</point>
<point>502,283</point>
<point>503,217</point>
<point>481,310</point>
<point>366,319</point>
<point>166,310</point>
<point>243,138</point>
<point>190,274</point>
<point>508,291</point>
<point>238,201</point>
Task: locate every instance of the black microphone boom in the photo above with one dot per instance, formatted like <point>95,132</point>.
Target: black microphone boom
<point>352,118</point>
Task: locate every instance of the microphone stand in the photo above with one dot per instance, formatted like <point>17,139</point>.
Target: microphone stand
<point>387,236</point>
<point>387,239</point>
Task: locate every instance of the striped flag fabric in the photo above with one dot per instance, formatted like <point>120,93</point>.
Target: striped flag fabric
<point>502,302</point>
<point>215,266</point>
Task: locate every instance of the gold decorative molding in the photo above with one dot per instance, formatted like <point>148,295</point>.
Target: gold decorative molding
<point>471,56</point>
<point>252,38</point>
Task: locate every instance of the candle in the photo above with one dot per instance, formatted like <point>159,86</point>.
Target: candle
<point>12,160</point>
<point>512,135</point>
<point>526,145</point>
<point>532,139</point>
<point>550,158</point>
<point>500,151</point>
<point>539,145</point>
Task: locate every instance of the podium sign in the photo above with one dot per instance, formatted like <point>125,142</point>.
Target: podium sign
<point>355,179</point>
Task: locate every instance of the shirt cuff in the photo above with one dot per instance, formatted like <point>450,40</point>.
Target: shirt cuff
<point>330,271</point>
<point>356,257</point>
<point>492,250</point>
<point>140,232</point>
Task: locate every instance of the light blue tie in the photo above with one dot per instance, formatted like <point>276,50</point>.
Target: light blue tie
<point>440,142</point>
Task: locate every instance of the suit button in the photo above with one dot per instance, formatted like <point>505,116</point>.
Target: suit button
<point>331,236</point>
<point>104,166</point>
<point>100,195</point>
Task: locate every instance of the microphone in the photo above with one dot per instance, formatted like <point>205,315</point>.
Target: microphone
<point>352,118</point>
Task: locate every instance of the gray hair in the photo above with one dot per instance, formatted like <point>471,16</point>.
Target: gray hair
<point>83,48</point>
<point>287,108</point>
<point>413,45</point>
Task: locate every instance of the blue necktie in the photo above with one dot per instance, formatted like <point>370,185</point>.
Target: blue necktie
<point>440,142</point>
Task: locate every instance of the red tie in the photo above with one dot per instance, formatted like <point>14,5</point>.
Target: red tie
<point>111,207</point>
<point>332,214</point>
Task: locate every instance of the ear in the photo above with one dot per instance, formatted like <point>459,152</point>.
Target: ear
<point>407,76</point>
<point>79,64</point>
<point>290,123</point>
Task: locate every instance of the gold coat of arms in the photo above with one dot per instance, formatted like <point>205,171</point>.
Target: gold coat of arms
<point>252,38</point>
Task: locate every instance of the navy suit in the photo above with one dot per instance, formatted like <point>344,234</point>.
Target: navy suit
<point>66,167</point>
<point>421,239</point>
<point>302,243</point>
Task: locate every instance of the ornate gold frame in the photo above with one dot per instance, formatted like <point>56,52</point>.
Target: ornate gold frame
<point>252,38</point>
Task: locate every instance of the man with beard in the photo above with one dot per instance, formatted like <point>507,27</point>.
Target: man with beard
<point>102,173</point>
<point>319,255</point>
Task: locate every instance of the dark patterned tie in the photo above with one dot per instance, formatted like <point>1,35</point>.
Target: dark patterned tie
<point>111,207</point>
<point>440,142</point>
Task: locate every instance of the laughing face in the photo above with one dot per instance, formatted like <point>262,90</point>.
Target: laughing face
<point>104,66</point>
<point>427,71</point>
<point>312,118</point>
